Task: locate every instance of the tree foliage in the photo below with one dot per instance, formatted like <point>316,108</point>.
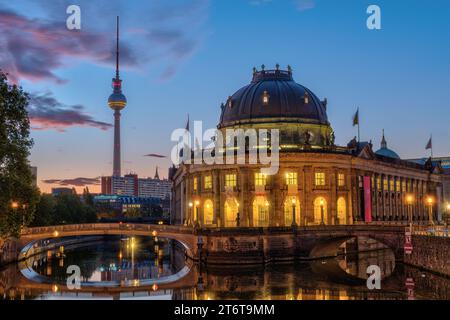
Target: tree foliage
<point>62,209</point>
<point>16,185</point>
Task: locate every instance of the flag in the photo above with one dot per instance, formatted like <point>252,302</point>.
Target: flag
<point>429,144</point>
<point>356,118</point>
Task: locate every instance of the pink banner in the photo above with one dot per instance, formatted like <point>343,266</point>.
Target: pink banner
<point>367,200</point>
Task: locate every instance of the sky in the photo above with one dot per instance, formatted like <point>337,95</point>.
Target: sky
<point>186,57</point>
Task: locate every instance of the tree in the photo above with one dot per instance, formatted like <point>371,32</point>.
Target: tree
<point>18,196</point>
<point>45,211</point>
<point>88,198</point>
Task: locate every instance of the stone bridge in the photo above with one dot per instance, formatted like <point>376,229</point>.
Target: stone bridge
<point>233,245</point>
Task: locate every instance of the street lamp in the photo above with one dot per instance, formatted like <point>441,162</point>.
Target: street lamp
<point>409,201</point>
<point>430,202</point>
<point>190,212</point>
<point>238,216</point>
<point>14,205</point>
<point>197,203</point>
<point>294,223</point>
<point>322,202</point>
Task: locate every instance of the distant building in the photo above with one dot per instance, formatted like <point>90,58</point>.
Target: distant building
<point>132,185</point>
<point>121,204</point>
<point>62,191</point>
<point>34,174</point>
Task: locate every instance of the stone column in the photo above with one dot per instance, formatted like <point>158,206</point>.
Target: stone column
<point>276,205</point>
<point>332,212</point>
<point>244,197</point>
<point>307,196</point>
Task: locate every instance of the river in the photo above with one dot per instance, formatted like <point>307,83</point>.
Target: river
<point>148,268</point>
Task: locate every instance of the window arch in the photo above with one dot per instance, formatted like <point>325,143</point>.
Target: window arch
<point>288,208</point>
<point>320,211</point>
<point>208,212</point>
<point>260,212</point>
<point>341,211</point>
<point>231,210</point>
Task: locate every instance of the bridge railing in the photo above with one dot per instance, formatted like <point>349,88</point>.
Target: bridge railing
<point>104,226</point>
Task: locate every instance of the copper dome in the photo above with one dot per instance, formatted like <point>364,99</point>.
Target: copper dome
<point>273,96</point>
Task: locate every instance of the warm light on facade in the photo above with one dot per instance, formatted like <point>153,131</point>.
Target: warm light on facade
<point>55,233</point>
<point>190,204</point>
<point>430,200</point>
<point>321,202</point>
<point>14,205</point>
<point>409,199</point>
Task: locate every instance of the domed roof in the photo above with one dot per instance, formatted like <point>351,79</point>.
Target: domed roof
<point>273,94</point>
<point>385,151</point>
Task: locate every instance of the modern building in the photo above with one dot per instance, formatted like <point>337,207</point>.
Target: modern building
<point>317,182</point>
<point>62,191</point>
<point>121,204</point>
<point>132,185</point>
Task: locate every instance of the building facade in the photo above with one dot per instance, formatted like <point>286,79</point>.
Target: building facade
<point>318,183</point>
<point>132,185</point>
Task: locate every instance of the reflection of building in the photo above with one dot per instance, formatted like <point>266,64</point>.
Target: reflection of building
<point>319,181</point>
<point>132,185</point>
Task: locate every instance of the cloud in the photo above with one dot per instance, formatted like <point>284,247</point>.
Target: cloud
<point>303,5</point>
<point>159,34</point>
<point>33,49</point>
<point>77,182</point>
<point>45,112</point>
<point>154,155</point>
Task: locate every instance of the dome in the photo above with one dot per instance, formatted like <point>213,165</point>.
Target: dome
<point>385,151</point>
<point>273,96</point>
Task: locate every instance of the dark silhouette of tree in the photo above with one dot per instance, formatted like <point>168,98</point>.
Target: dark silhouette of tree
<point>18,196</point>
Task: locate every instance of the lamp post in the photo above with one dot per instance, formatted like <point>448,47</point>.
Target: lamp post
<point>409,201</point>
<point>238,216</point>
<point>197,204</point>
<point>190,212</point>
<point>294,223</point>
<point>322,202</point>
<point>430,209</point>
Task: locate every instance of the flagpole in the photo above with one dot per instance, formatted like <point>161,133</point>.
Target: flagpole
<point>359,134</point>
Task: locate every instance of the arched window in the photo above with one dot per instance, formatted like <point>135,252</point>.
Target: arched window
<point>320,211</point>
<point>208,212</point>
<point>289,203</point>
<point>261,212</point>
<point>341,211</point>
<point>231,210</point>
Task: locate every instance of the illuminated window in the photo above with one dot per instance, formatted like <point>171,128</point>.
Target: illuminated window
<point>265,97</point>
<point>320,178</point>
<point>260,179</point>
<point>230,180</point>
<point>195,182</point>
<point>208,182</point>
<point>404,186</point>
<point>391,184</point>
<point>291,178</point>
<point>341,179</point>
<point>306,98</point>
<point>397,187</point>
<point>385,184</point>
<point>378,183</point>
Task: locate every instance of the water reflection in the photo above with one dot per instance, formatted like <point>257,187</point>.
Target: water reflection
<point>128,268</point>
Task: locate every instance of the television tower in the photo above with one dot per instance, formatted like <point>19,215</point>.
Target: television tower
<point>117,101</point>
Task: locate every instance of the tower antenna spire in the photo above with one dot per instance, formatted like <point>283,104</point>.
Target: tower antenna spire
<point>117,48</point>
